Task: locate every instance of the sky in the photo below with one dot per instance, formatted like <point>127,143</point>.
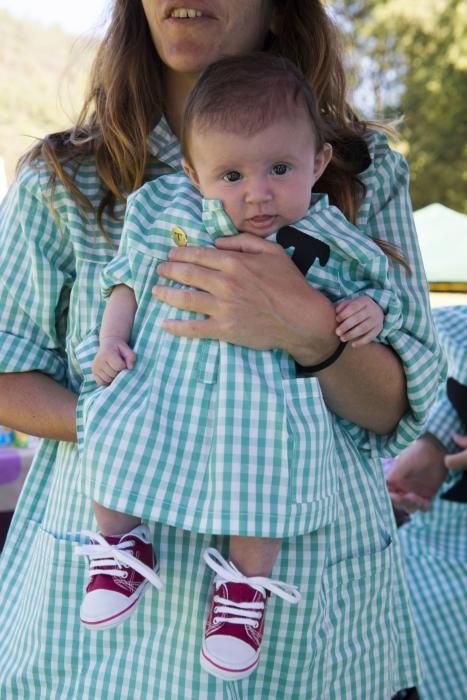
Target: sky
<point>73,16</point>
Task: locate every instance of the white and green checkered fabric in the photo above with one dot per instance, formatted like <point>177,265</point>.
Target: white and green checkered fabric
<point>435,545</point>
<point>205,435</point>
<point>216,220</point>
<point>451,322</point>
<point>350,637</point>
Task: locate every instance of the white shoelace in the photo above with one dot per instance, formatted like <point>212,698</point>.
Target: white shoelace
<point>244,613</point>
<point>103,554</point>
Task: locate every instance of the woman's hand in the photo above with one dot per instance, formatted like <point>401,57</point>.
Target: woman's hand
<point>417,474</point>
<point>252,295</point>
<point>458,460</point>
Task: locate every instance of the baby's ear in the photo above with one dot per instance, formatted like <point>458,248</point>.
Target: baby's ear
<point>322,159</point>
<point>191,172</point>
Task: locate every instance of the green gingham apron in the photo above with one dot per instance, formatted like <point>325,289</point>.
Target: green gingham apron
<point>435,544</point>
<point>351,637</point>
<point>205,435</point>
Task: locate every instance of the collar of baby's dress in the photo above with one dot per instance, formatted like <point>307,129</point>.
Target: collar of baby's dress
<point>319,202</point>
<point>218,223</point>
<point>216,220</point>
<point>164,145</point>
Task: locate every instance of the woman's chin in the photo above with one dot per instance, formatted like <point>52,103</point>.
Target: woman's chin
<point>190,56</point>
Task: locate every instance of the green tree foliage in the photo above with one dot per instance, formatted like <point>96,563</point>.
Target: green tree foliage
<point>416,66</point>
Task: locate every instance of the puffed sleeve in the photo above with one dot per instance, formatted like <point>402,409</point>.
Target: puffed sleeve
<point>36,274</point>
<point>386,214</point>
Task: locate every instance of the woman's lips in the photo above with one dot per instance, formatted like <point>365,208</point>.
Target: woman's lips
<point>183,12</point>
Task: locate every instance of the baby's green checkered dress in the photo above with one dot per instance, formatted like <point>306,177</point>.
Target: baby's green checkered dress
<point>205,435</point>
<point>351,637</point>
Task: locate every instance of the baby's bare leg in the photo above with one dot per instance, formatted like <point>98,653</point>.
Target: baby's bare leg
<point>112,523</point>
<point>254,556</point>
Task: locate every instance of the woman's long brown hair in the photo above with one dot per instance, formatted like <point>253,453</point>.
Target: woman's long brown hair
<point>125,102</point>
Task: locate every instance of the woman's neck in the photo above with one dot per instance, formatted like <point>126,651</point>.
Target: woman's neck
<point>176,89</point>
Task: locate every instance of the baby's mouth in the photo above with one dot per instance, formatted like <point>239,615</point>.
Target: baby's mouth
<point>262,221</point>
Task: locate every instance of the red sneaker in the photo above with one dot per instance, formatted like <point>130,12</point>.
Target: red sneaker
<point>234,628</point>
<point>120,569</point>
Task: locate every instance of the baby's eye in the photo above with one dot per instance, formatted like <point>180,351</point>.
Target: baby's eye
<point>232,176</point>
<point>280,169</point>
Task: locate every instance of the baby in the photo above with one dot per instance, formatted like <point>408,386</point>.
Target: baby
<point>204,435</point>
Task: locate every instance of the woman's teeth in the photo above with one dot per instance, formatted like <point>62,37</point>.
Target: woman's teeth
<point>185,13</point>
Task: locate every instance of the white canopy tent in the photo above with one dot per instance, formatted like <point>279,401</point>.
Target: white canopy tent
<point>442,233</point>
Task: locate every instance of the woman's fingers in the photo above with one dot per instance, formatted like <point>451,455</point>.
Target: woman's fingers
<point>248,243</point>
<point>196,328</point>
<point>459,460</point>
<point>199,267</point>
<point>205,269</point>
<point>254,298</point>
<point>217,258</point>
<point>460,440</point>
<point>186,299</point>
<point>258,298</point>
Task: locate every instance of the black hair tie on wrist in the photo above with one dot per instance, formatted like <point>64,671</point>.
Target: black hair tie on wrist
<point>311,369</point>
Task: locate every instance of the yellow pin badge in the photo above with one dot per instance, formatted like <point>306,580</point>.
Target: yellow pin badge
<point>179,236</point>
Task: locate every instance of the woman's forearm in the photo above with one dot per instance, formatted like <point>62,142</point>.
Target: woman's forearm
<point>36,404</point>
<point>367,386</point>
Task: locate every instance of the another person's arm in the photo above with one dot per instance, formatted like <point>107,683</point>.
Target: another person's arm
<point>417,474</point>
<point>114,354</point>
<point>420,470</point>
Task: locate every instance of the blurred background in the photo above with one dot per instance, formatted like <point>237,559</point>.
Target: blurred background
<point>407,61</point>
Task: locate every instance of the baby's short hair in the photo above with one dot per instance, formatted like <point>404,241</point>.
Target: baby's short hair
<point>244,94</point>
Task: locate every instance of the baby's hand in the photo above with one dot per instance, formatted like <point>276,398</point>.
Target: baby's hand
<point>113,356</point>
<point>359,320</point>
